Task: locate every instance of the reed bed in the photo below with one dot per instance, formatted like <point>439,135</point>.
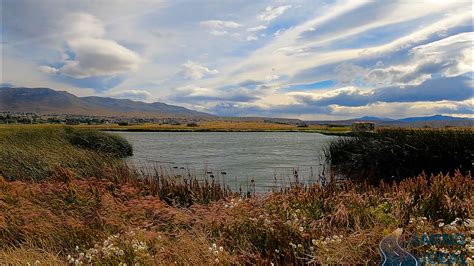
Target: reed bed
<point>395,154</point>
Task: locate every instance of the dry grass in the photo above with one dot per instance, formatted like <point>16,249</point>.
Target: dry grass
<point>222,126</point>
<point>340,224</point>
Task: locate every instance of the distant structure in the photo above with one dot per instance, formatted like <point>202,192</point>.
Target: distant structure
<point>363,127</point>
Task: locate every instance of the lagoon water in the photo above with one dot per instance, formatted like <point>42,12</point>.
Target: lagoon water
<point>268,158</point>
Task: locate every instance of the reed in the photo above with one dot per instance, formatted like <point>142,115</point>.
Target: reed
<point>395,154</point>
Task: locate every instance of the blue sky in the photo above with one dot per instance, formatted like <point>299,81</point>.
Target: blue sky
<point>303,59</point>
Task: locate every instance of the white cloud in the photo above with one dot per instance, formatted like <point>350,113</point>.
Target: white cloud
<point>220,24</point>
<point>451,56</point>
<point>251,38</point>
<point>271,13</point>
<point>99,57</point>
<point>83,24</point>
<point>193,70</point>
<point>272,77</point>
<point>219,27</point>
<point>257,28</point>
<point>48,70</point>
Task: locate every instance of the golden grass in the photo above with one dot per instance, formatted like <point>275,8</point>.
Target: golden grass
<point>220,126</point>
<point>337,224</point>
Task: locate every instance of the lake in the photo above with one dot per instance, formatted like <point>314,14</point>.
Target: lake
<point>268,158</point>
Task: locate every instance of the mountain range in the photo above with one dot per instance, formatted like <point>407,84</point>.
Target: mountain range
<point>45,100</point>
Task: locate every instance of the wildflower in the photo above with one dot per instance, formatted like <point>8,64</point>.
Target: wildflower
<point>301,229</point>
<point>314,242</point>
<point>216,252</point>
<point>441,225</point>
<point>210,249</point>
<point>469,223</point>
<point>221,249</point>
<point>300,246</point>
<point>77,248</point>
<point>214,246</point>
<point>277,251</point>
<point>217,260</point>
<point>37,262</point>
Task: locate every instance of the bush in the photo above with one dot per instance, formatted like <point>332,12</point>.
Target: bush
<point>393,155</point>
<point>100,142</point>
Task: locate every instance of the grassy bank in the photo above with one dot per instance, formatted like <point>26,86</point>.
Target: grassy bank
<point>224,126</point>
<point>38,153</point>
<point>395,154</point>
<point>119,215</point>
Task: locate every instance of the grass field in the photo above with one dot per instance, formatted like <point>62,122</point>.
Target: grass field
<point>224,126</point>
<point>85,206</point>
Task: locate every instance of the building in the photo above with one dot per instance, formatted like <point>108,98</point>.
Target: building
<point>363,127</point>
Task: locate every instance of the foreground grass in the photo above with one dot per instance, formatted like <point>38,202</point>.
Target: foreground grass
<point>111,214</point>
<point>96,220</point>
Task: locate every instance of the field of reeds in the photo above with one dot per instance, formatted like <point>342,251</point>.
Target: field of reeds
<point>395,154</point>
<point>68,201</point>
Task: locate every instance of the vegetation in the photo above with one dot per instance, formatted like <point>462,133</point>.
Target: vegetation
<point>395,154</point>
<point>108,213</point>
<point>225,126</point>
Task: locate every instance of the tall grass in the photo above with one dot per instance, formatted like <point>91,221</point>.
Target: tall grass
<point>66,153</point>
<point>395,154</point>
<point>36,154</point>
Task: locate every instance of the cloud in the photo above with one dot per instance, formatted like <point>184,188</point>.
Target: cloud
<point>451,56</point>
<point>257,28</point>
<point>270,13</point>
<point>98,57</point>
<point>219,27</point>
<point>89,53</point>
<point>195,94</point>
<point>193,70</point>
<point>138,95</point>
<point>272,77</point>
<point>48,70</point>
<point>451,89</point>
<point>251,38</point>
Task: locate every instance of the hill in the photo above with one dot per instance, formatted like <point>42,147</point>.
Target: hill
<point>45,100</point>
<point>432,121</point>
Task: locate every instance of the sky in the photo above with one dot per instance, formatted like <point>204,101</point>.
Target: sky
<point>306,59</point>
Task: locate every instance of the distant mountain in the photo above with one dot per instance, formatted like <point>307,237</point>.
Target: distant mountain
<point>433,118</point>
<point>45,100</point>
<point>435,121</point>
<point>373,118</point>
